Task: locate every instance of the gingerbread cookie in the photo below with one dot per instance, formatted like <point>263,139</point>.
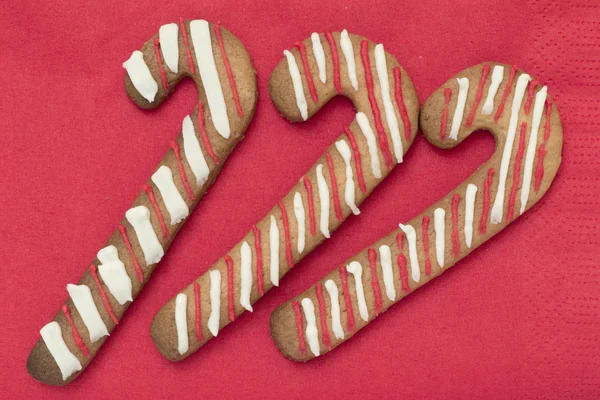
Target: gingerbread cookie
<point>219,64</point>
<point>312,72</point>
<point>519,113</point>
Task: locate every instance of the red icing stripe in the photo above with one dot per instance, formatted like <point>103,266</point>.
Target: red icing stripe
<point>336,61</point>
<point>539,169</point>
<point>484,75</point>
<point>334,189</point>
<point>136,265</point>
<point>400,103</point>
<point>530,90</point>
<point>286,229</point>
<point>236,97</point>
<point>347,299</point>
<point>184,180</point>
<point>311,206</point>
<point>187,45</point>
<point>357,161</point>
<point>403,272</point>
<point>203,133</point>
<point>323,316</point>
<point>76,337</point>
<point>375,281</point>
<point>161,221</point>
<point>425,235</point>
<point>307,73</point>
<point>455,239</point>
<point>448,96</point>
<point>230,304</point>
<point>161,69</point>
<point>383,142</point>
<point>516,173</point>
<point>507,90</point>
<point>199,335</point>
<point>259,263</point>
<point>298,312</point>
<point>109,310</point>
<point>486,201</point>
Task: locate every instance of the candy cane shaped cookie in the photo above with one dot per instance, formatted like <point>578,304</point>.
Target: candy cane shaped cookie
<point>526,126</point>
<point>219,64</point>
<point>311,73</point>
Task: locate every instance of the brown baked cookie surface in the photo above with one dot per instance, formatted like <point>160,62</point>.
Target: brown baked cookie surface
<point>311,73</point>
<point>525,123</point>
<point>221,67</point>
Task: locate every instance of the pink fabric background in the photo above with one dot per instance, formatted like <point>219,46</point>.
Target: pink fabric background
<point>520,318</point>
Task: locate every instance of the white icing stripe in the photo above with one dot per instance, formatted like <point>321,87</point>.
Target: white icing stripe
<point>168,35</point>
<point>498,207</point>
<point>319,55</point>
<point>215,302</point>
<point>346,45</point>
<point>411,237</point>
<point>300,221</point>
<point>66,361</point>
<point>497,76</point>
<point>193,152</point>
<point>439,216</point>
<point>463,90</point>
<point>140,76</point>
<point>356,270</point>
<point>200,32</point>
<point>344,150</point>
<point>139,218</point>
<point>113,273</point>
<point>274,247</point>
<point>324,201</point>
<point>245,276</point>
<point>385,254</point>
<point>163,179</point>
<point>181,323</point>
<point>297,83</point>
<point>469,212</point>
<point>365,128</point>
<point>84,303</point>
<point>538,110</point>
<point>388,107</point>
<point>312,333</point>
<point>336,322</point>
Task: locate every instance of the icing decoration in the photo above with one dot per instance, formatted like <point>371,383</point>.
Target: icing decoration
<point>347,299</point>
<point>336,61</point>
<point>245,276</point>
<point>312,333</point>
<point>469,212</point>
<point>298,313</point>
<point>365,128</point>
<point>539,169</point>
<point>425,236</point>
<point>193,152</point>
<point>286,232</point>
<point>274,248</point>
<point>357,162</point>
<point>402,264</point>
<point>355,268</point>
<point>411,237</point>
<point>114,275</point>
<point>66,361</point>
<point>300,221</point>
<point>486,201</point>
<point>204,134</point>
<point>215,302</point>
<point>455,239</point>
<point>538,110</point>
<point>139,218</point>
<point>181,323</point>
<point>200,32</point>
<point>323,315</point>
<point>184,180</point>
<point>161,70</point>
<point>448,96</point>
<point>297,83</point>
<point>439,225</point>
<point>307,73</point>
<point>497,77</point>
<point>348,51</point>
<point>311,206</point>
<point>496,213</point>
<point>506,93</point>
<point>334,188</point>
<point>344,150</point>
<point>388,107</point>
<point>109,310</point>
<point>136,265</point>
<point>530,90</point>
<point>161,221</point>
<point>75,332</point>
<point>383,143</point>
<point>375,281</point>
<point>230,303</point>
<point>336,322</point>
<point>168,36</point>
<point>198,312</point>
<point>516,173</point>
<point>324,200</point>
<point>259,261</point>
<point>187,46</point>
<point>385,254</point>
<point>84,303</point>
<point>140,76</point>
<point>463,90</point>
<point>400,102</point>
<point>484,74</point>
<point>234,91</point>
<point>319,55</point>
